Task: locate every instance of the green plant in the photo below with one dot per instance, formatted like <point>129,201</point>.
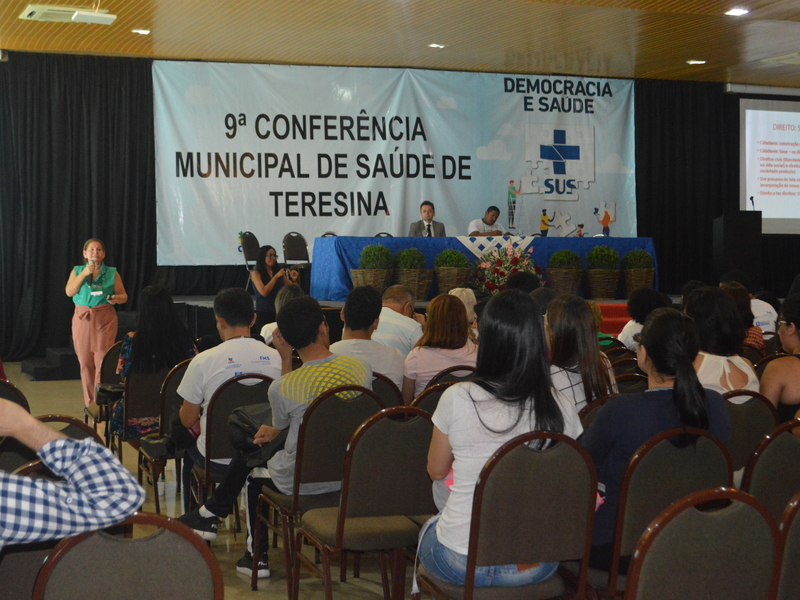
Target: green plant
<point>410,258</point>
<point>637,259</point>
<point>565,259</point>
<point>375,257</point>
<point>451,258</point>
<point>602,257</point>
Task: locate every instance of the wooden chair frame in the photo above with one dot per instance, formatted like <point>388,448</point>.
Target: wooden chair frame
<point>448,372</point>
<point>388,383</point>
<point>436,388</point>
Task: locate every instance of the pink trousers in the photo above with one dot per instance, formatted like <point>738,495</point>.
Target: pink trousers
<point>94,331</point>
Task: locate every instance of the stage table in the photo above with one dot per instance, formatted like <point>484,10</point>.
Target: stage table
<point>334,256</point>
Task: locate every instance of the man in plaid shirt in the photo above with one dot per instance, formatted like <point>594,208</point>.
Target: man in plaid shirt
<point>97,490</point>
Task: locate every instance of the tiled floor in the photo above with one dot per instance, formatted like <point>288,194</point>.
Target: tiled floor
<point>64,397</point>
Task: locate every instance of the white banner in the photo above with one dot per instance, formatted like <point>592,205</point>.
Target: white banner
<point>354,151</point>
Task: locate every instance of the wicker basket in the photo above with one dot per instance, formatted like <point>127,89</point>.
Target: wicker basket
<point>564,281</point>
<point>602,283</point>
<point>638,278</point>
<point>376,278</point>
<point>448,278</point>
<point>418,281</point>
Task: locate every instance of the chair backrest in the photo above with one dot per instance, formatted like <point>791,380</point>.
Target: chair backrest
<point>71,427</point>
<point>762,364</point>
<point>295,247</point>
<point>387,390</point>
<point>169,398</point>
<point>428,398</point>
<point>250,248</point>
<point>631,383</point>
<point>610,343</point>
<point>325,431</point>
<point>533,505</point>
<point>772,474</point>
<point>622,366</point>
<point>243,390</point>
<point>453,374</point>
<point>588,413</point>
<point>659,473</point>
<point>173,562</point>
<point>750,422</point>
<point>616,353</point>
<point>8,391</point>
<point>328,234</point>
<point>19,566</point>
<point>789,581</point>
<point>108,366</point>
<point>385,470</point>
<point>730,553</point>
<point>143,396</point>
<point>383,234</point>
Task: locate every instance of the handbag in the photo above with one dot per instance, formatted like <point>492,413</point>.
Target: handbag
<point>243,424</point>
<point>108,393</point>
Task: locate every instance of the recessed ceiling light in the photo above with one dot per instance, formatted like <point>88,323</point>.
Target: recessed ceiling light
<point>737,12</point>
<point>695,62</point>
<point>141,31</point>
<point>437,46</point>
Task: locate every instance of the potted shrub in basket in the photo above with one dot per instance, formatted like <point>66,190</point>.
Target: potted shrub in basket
<point>602,273</point>
<point>638,270</point>
<point>410,271</point>
<point>564,271</point>
<point>374,267</point>
<point>452,270</point>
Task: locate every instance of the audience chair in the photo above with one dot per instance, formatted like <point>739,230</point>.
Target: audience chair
<point>108,375</point>
<point>789,581</point>
<point>243,390</point>
<point>529,506</point>
<point>730,553</point>
<point>772,474</point>
<point>10,449</point>
<point>754,355</point>
<point>616,353</point>
<point>250,248</point>
<point>387,390</point>
<point>141,400</point>
<point>19,566</point>
<point>328,234</point>
<point>658,474</point>
<point>450,374</point>
<point>613,344</point>
<point>171,562</point>
<point>327,426</point>
<point>588,413</point>
<point>385,481</point>
<point>8,391</point>
<point>762,364</point>
<point>428,398</point>
<point>623,366</point>
<point>71,427</point>
<point>631,383</point>
<point>170,404</point>
<point>750,422</point>
<point>383,234</point>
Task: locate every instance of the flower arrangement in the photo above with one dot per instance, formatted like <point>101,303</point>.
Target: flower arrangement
<point>493,268</point>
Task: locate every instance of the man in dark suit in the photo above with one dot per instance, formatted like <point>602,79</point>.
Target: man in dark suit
<point>426,226</point>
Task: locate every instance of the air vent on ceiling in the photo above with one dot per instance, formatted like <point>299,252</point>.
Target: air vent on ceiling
<point>787,59</point>
<point>65,14</point>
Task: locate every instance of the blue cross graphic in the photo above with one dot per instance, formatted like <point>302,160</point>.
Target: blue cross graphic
<point>559,152</point>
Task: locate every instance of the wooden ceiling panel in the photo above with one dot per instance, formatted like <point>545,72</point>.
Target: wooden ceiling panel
<point>612,38</point>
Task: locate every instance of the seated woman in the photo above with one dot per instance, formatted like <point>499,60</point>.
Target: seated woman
<point>511,395</point>
<point>641,303</point>
<point>721,332</point>
<point>268,278</point>
<point>754,337</point>
<point>445,343</point>
<point>674,398</point>
<point>577,366</point>
<point>287,293</point>
<point>780,381</point>
<point>160,342</point>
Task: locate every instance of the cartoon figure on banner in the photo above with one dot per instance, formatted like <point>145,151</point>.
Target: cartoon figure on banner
<point>240,241</point>
<point>512,201</point>
<point>579,231</point>
<point>609,216</point>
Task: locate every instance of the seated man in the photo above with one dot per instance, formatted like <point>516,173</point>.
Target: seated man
<point>399,326</point>
<point>302,326</point>
<point>238,353</point>
<point>426,226</point>
<point>485,226</point>
<point>96,491</point>
<point>361,316</point>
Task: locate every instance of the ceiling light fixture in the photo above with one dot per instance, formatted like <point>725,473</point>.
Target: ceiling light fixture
<point>437,46</point>
<point>695,62</point>
<point>737,12</point>
<point>141,31</point>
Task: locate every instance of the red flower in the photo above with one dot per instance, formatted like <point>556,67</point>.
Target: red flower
<point>495,270</point>
<point>514,260</point>
<point>499,263</point>
<point>490,286</point>
<point>502,274</point>
<point>502,287</point>
<point>514,270</point>
<point>481,279</point>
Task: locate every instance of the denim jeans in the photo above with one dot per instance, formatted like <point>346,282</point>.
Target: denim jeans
<point>451,567</point>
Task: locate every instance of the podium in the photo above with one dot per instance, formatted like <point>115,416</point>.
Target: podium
<point>737,244</point>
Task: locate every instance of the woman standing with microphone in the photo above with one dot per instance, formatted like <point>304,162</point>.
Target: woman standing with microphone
<point>94,288</point>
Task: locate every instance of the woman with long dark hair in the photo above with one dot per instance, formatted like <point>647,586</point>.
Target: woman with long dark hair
<point>780,381</point>
<point>578,368</point>
<point>268,278</point>
<point>668,345</point>
<point>160,342</point>
<point>445,343</point>
<point>511,395</point>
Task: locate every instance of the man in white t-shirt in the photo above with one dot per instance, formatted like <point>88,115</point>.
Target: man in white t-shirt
<point>485,226</point>
<point>399,326</point>
<point>361,316</point>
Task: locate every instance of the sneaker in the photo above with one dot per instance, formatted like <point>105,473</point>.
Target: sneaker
<point>206,528</point>
<point>245,566</point>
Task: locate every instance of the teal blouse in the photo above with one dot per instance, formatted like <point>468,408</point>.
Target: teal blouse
<point>104,284</point>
